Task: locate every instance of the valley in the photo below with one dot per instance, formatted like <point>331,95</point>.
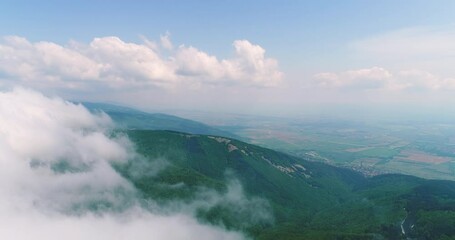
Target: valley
<point>373,147</point>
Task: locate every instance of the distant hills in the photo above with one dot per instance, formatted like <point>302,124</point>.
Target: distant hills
<point>129,118</point>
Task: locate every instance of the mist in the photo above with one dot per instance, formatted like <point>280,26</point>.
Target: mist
<point>57,179</point>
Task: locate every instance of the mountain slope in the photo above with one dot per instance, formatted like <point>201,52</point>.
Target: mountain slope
<point>308,200</point>
<point>129,118</point>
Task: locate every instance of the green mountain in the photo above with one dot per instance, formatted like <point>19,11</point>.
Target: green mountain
<point>129,118</point>
<point>308,200</point>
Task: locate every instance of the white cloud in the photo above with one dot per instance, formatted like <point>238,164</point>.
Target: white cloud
<point>129,63</point>
<point>141,226</point>
<point>40,199</point>
<point>251,58</point>
<point>192,62</point>
<point>111,62</point>
<point>44,62</point>
<point>367,78</point>
<point>426,48</point>
<point>36,135</point>
<point>377,78</point>
<point>249,65</point>
<point>166,41</point>
<point>413,59</point>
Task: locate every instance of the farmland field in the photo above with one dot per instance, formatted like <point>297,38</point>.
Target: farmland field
<point>424,149</point>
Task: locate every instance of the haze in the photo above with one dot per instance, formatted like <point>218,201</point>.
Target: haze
<point>293,58</point>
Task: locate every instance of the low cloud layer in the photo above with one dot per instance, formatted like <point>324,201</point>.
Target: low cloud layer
<point>423,48</point>
<point>377,78</point>
<point>113,63</point>
<point>417,59</point>
<point>57,179</point>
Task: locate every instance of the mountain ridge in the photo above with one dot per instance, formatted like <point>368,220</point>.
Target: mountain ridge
<point>309,200</point>
<point>130,118</point>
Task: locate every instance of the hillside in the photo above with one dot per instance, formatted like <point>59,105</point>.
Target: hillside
<point>308,200</point>
<point>129,118</point>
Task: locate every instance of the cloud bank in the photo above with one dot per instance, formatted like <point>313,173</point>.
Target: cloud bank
<point>57,179</point>
<point>377,78</point>
<point>113,63</point>
<point>416,60</point>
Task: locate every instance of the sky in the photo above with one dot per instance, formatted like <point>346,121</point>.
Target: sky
<point>258,57</point>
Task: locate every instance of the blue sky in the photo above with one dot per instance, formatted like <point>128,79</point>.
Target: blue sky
<point>280,25</point>
<point>334,44</point>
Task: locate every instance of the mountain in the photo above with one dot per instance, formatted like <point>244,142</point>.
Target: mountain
<point>129,118</point>
<point>308,200</point>
<point>271,195</point>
